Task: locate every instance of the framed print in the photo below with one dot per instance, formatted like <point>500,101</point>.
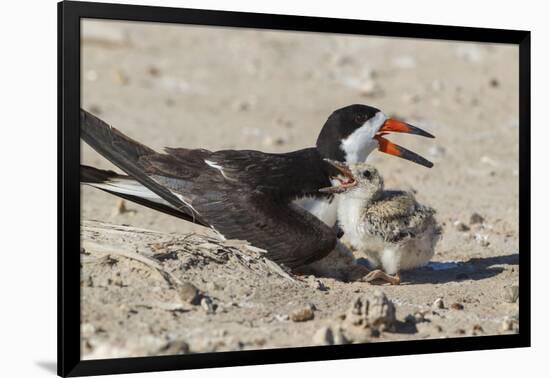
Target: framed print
<point>240,188</point>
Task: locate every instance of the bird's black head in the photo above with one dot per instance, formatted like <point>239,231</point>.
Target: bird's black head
<point>339,126</point>
<point>351,133</point>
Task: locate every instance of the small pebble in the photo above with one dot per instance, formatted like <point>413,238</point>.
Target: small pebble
<point>323,336</point>
<point>269,141</point>
<point>417,317</point>
<point>470,53</point>
<point>344,60</point>
<point>174,347</point>
<point>461,226</point>
<point>91,75</point>
<point>476,218</point>
<point>320,286</point>
<point>482,240</point>
<point>243,105</point>
<point>436,85</point>
<point>438,303</point>
<point>215,285</point>
<point>411,98</point>
<point>511,294</point>
<point>457,306</point>
<point>494,83</point>
<point>207,305</point>
<point>189,293</point>
<point>279,141</point>
<point>370,88</point>
<point>282,318</point>
<point>153,71</point>
<point>121,208</point>
<point>286,123</point>
<point>121,78</point>
<point>374,310</point>
<point>95,109</point>
<point>87,329</point>
<point>507,324</point>
<point>404,61</point>
<point>477,328</point>
<point>302,315</point>
<point>437,151</point>
<point>489,161</point>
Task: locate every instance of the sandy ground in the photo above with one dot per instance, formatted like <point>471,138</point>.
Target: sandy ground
<point>221,88</point>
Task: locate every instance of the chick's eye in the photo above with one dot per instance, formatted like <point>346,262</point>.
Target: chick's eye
<point>359,118</point>
<point>367,175</point>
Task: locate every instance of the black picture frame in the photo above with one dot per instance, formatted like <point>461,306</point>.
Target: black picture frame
<point>69,15</point>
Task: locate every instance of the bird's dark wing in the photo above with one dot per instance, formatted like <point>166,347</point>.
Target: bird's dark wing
<point>292,236</point>
<point>288,175</point>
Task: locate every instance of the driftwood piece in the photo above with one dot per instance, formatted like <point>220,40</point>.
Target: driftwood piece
<point>152,247</point>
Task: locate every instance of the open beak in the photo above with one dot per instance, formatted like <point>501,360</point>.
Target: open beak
<point>345,177</point>
<point>395,126</point>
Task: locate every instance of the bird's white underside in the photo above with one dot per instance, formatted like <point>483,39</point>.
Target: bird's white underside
<point>322,208</point>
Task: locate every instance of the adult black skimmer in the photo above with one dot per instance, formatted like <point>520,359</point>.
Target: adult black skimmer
<point>247,194</point>
<point>390,227</point>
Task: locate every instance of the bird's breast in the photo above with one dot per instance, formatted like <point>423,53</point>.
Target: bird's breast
<point>324,208</point>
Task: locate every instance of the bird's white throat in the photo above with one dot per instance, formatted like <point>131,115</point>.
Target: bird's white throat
<point>359,144</point>
<point>350,215</point>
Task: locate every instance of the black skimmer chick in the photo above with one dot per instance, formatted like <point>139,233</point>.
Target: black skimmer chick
<point>390,227</point>
<point>246,194</point>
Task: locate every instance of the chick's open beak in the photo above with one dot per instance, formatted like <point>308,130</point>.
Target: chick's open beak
<point>384,145</point>
<point>345,178</point>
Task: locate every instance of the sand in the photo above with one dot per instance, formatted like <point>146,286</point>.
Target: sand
<point>216,88</point>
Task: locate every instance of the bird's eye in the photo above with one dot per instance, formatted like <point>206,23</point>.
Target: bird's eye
<point>359,118</point>
<point>367,175</point>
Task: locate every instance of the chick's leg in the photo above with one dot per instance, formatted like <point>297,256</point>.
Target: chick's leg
<point>381,275</point>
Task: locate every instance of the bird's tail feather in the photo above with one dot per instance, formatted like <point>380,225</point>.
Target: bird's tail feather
<point>125,153</point>
<point>129,189</point>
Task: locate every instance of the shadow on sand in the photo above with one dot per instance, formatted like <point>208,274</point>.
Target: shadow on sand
<point>478,268</point>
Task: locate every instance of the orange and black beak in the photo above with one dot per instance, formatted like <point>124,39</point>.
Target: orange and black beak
<point>395,126</point>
